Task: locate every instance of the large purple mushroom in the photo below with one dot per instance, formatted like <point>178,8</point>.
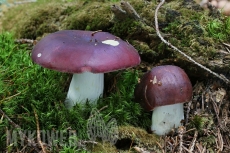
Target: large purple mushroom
<point>88,55</point>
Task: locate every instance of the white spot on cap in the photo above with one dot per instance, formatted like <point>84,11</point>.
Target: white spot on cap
<point>154,81</point>
<point>111,42</point>
<point>39,55</point>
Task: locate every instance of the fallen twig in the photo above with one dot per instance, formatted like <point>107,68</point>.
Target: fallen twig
<point>141,150</point>
<point>26,41</point>
<point>7,98</point>
<point>130,10</point>
<point>192,144</point>
<point>188,110</point>
<point>162,149</point>
<point>27,1</point>
<point>20,131</point>
<point>98,111</point>
<point>125,11</point>
<point>220,143</point>
<point>38,132</point>
<point>181,131</point>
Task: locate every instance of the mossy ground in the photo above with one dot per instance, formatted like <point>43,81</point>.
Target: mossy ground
<point>26,87</point>
<point>191,28</point>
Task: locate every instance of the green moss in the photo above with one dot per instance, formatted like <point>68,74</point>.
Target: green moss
<point>184,21</point>
<point>208,141</point>
<point>91,16</point>
<point>103,148</point>
<point>97,16</point>
<point>195,32</point>
<point>219,29</point>
<point>25,87</point>
<point>33,25</point>
<point>139,136</point>
<point>125,28</point>
<point>201,123</point>
<point>129,136</point>
<point>120,103</point>
<point>53,16</point>
<point>143,47</point>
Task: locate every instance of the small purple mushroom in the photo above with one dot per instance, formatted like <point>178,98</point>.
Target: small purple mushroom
<point>163,90</point>
<point>88,55</point>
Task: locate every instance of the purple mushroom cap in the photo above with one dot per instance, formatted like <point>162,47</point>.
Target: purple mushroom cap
<point>163,85</point>
<point>76,51</point>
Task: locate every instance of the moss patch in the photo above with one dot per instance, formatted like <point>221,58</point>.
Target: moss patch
<point>53,16</point>
<point>91,16</point>
<point>27,87</point>
<point>193,30</point>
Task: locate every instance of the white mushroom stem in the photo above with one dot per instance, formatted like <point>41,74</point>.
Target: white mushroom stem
<point>165,118</point>
<point>85,86</point>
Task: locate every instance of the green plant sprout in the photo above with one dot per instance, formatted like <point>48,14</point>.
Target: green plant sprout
<point>216,30</point>
<point>67,149</point>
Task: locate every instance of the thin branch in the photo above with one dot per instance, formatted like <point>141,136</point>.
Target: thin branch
<point>26,41</point>
<point>104,107</point>
<point>38,132</point>
<point>27,1</point>
<point>20,131</point>
<point>192,144</point>
<point>188,110</point>
<point>181,142</point>
<point>10,97</point>
<point>181,130</point>
<point>182,53</point>
<point>186,149</point>
<point>125,11</point>
<point>219,141</point>
<point>130,10</point>
<point>162,149</point>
